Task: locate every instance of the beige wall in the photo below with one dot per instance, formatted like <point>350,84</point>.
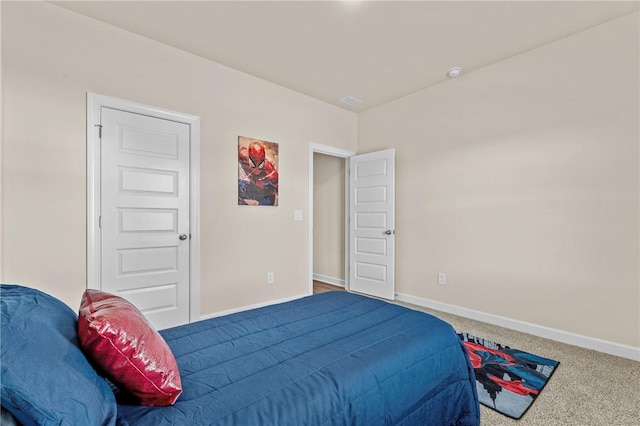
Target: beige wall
<point>1,138</point>
<point>520,181</point>
<point>329,217</point>
<point>52,57</point>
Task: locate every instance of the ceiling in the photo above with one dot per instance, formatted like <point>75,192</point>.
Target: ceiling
<point>375,51</point>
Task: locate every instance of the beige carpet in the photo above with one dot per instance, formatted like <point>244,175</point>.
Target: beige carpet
<point>588,388</point>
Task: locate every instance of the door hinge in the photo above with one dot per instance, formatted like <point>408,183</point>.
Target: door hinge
<point>99,221</point>
<point>99,126</point>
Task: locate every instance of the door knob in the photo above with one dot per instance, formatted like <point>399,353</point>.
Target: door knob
<point>388,232</point>
<point>183,237</point>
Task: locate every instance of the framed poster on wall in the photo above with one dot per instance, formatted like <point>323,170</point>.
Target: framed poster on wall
<point>257,172</point>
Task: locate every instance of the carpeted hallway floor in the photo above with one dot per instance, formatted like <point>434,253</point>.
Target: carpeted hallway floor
<point>589,388</point>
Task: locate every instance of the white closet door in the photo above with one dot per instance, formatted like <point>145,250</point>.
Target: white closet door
<point>145,214</point>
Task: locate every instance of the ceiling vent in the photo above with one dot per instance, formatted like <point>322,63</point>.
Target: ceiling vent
<point>351,101</point>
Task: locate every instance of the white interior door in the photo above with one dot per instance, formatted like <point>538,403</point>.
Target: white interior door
<point>144,224</point>
<point>372,223</point>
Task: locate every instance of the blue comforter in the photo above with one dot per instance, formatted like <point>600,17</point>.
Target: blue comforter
<point>331,359</point>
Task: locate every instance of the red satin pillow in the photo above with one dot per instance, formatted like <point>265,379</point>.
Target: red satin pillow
<point>118,339</point>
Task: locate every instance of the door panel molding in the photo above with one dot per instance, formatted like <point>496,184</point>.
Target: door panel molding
<point>94,104</point>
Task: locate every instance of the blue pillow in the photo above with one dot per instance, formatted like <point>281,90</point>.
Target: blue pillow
<point>46,379</point>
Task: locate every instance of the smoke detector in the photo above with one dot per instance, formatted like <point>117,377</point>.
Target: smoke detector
<point>454,72</point>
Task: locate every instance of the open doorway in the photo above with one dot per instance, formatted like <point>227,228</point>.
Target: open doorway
<point>328,204</point>
<point>369,220</point>
<point>329,208</point>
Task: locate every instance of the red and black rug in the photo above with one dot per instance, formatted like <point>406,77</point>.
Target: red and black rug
<point>508,380</point>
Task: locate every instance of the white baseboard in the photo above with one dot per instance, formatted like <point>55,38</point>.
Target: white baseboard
<point>246,308</point>
<point>329,280</point>
<point>599,345</point>
<point>569,338</point>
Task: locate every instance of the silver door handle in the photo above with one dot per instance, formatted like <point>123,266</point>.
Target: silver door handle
<point>183,237</point>
<point>389,232</point>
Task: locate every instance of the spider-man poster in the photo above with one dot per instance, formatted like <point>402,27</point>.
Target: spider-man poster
<point>257,172</point>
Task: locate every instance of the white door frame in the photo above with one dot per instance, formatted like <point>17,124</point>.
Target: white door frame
<point>94,103</point>
<point>339,153</point>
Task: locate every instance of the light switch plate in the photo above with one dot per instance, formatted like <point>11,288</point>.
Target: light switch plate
<point>442,278</point>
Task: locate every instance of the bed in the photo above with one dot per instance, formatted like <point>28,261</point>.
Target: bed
<point>335,358</point>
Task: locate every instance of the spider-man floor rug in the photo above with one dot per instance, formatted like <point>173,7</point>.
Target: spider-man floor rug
<point>508,380</point>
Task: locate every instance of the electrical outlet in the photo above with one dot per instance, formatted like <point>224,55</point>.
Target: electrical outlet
<point>442,278</point>
<point>269,277</point>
